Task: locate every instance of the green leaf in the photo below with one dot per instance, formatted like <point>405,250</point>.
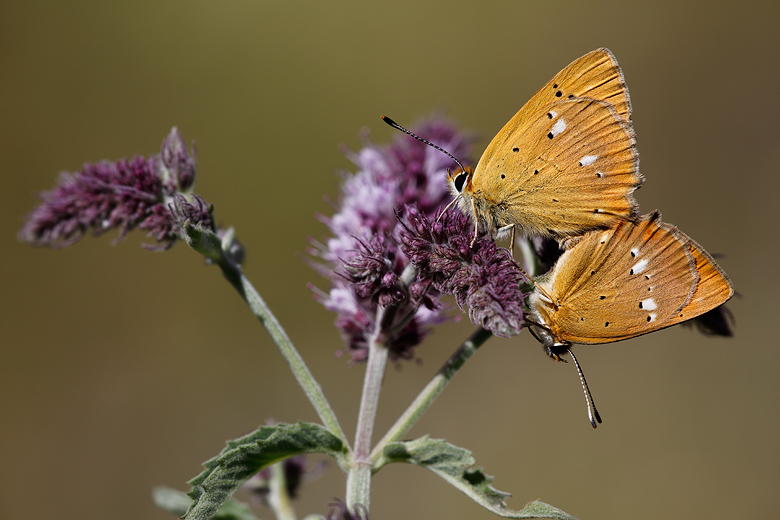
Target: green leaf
<point>247,455</point>
<point>453,464</point>
<point>203,240</point>
<point>177,503</point>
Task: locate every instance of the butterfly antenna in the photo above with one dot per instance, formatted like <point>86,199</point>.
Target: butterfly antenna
<point>593,414</point>
<point>404,130</point>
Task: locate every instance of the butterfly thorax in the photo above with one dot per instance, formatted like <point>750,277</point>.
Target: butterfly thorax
<point>499,202</point>
<point>491,210</point>
<point>490,213</point>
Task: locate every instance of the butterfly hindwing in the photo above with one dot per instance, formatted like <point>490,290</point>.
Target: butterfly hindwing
<point>635,282</point>
<point>714,287</point>
<point>629,280</point>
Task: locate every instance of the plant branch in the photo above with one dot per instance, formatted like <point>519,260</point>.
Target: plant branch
<point>278,498</point>
<point>359,478</point>
<point>431,391</point>
<point>301,372</point>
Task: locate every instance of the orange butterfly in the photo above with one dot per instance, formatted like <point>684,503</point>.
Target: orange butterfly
<point>565,164</point>
<point>634,278</point>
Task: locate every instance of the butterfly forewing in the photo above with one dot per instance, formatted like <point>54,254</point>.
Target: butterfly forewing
<point>596,76</point>
<point>632,279</point>
<point>571,167</point>
<point>566,163</point>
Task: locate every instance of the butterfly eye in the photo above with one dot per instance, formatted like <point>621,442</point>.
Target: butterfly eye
<point>459,181</point>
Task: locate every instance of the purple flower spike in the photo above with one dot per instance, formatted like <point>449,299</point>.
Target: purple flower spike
<point>124,195</point>
<point>178,164</point>
<point>373,274</point>
<point>195,211</point>
<point>363,259</point>
<point>483,278</point>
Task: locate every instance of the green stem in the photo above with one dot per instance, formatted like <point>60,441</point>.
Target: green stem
<point>359,477</point>
<point>278,498</point>
<point>279,336</point>
<point>431,392</point>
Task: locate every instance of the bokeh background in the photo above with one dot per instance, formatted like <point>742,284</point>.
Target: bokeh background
<point>123,369</point>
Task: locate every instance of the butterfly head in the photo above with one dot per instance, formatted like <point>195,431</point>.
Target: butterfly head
<point>463,189</point>
<point>460,181</point>
<point>541,322</point>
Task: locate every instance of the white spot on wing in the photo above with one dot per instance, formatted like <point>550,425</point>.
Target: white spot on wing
<point>601,175</point>
<point>588,160</point>
<point>635,251</point>
<point>639,266</point>
<point>553,114</point>
<point>652,317</point>
<point>649,304</point>
<point>558,127</point>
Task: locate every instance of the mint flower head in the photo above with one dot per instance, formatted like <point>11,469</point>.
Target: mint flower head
<point>363,259</point>
<point>389,251</point>
<point>483,278</point>
<point>152,194</point>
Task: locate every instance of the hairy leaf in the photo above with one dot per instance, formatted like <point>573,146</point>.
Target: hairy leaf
<point>453,464</point>
<point>177,503</point>
<point>247,455</point>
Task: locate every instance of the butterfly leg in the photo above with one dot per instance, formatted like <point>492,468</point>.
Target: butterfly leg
<point>512,242</point>
<point>476,222</point>
<point>447,207</point>
<point>501,234</point>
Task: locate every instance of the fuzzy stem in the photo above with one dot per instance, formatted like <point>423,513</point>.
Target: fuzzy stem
<point>278,498</point>
<point>279,336</point>
<point>359,478</point>
<point>431,391</point>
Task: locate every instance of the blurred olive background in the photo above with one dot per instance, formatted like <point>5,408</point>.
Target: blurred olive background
<point>124,369</point>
